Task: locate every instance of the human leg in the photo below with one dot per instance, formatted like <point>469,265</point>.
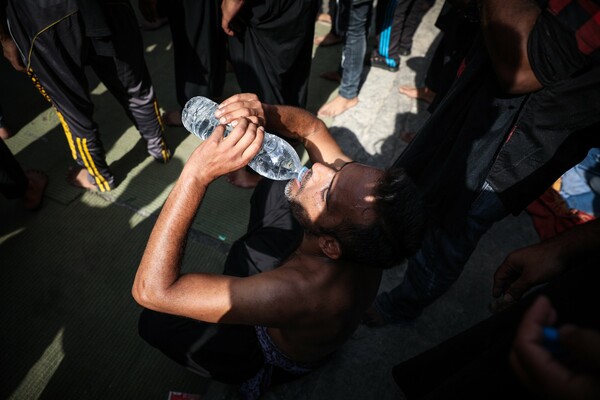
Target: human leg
<point>199,48</point>
<point>272,54</point>
<point>440,261</point>
<point>56,68</point>
<point>127,78</point>
<point>413,17</point>
<point>390,16</point>
<point>355,47</point>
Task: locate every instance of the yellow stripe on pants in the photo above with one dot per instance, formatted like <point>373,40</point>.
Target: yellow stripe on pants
<point>88,161</point>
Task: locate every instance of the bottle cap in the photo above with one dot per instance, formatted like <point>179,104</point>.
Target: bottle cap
<point>301,174</point>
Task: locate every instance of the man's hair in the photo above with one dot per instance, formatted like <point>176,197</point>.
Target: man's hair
<point>397,231</point>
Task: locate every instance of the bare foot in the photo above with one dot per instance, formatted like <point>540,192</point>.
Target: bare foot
<point>36,184</point>
<point>328,40</point>
<point>5,133</point>
<point>331,76</point>
<point>373,318</point>
<point>78,177</point>
<point>422,93</point>
<point>337,106</point>
<point>324,17</point>
<point>243,179</point>
<point>172,118</point>
<point>407,136</point>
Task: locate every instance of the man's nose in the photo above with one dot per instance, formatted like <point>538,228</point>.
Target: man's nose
<point>319,169</point>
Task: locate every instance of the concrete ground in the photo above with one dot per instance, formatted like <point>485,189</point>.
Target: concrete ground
<point>68,320</point>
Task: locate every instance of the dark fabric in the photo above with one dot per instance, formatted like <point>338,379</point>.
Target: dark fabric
<point>451,154</point>
<point>553,52</point>
<point>272,235</point>
<point>580,17</point>
<point>546,132</point>
<point>396,22</point>
<point>342,17</point>
<point>474,363</point>
<point>34,16</point>
<point>58,58</point>
<point>199,47</point>
<point>556,129</point>
<point>93,17</point>
<point>458,33</point>
<point>559,123</point>
<point>277,365</point>
<point>227,353</point>
<point>272,52</point>
<point>13,181</point>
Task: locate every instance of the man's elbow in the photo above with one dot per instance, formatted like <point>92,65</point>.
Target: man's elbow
<point>143,295</point>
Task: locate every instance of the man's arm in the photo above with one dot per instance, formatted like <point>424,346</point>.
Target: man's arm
<point>291,122</point>
<point>575,374</point>
<point>539,263</point>
<point>506,26</point>
<point>9,48</point>
<point>229,9</point>
<point>159,284</point>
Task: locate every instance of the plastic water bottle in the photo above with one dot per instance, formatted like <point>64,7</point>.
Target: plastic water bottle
<point>276,159</point>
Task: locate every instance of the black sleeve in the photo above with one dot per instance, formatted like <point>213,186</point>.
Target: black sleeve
<point>3,5</point>
<point>553,51</point>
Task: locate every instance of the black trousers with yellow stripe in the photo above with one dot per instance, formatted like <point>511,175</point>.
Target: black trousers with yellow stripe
<point>56,56</point>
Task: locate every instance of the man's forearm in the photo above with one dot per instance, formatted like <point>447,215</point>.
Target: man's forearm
<point>506,27</point>
<point>161,262</point>
<point>301,125</point>
<point>578,243</point>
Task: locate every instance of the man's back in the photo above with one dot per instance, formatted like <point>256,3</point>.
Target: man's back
<point>335,295</point>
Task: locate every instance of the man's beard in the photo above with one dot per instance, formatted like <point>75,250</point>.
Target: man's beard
<point>298,211</point>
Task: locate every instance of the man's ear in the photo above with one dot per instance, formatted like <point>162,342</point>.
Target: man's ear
<point>330,246</point>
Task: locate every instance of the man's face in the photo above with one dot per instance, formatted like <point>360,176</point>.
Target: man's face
<point>326,196</point>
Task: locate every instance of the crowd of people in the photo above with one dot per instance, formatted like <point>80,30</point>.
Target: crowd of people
<point>514,93</point>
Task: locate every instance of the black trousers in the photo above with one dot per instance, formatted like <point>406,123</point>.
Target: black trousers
<point>272,52</point>
<point>474,363</point>
<point>199,47</point>
<point>396,22</point>
<point>231,353</point>
<point>56,49</point>
<point>458,34</point>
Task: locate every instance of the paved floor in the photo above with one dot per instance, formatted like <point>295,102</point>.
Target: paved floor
<point>68,321</point>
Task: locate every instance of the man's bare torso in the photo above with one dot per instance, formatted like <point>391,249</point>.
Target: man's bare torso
<point>335,293</point>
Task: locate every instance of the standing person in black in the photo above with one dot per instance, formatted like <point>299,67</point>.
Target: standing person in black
<point>270,47</point>
<point>396,22</point>
<point>523,110</point>
<point>56,40</point>
<point>270,44</point>
<point>199,48</point>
